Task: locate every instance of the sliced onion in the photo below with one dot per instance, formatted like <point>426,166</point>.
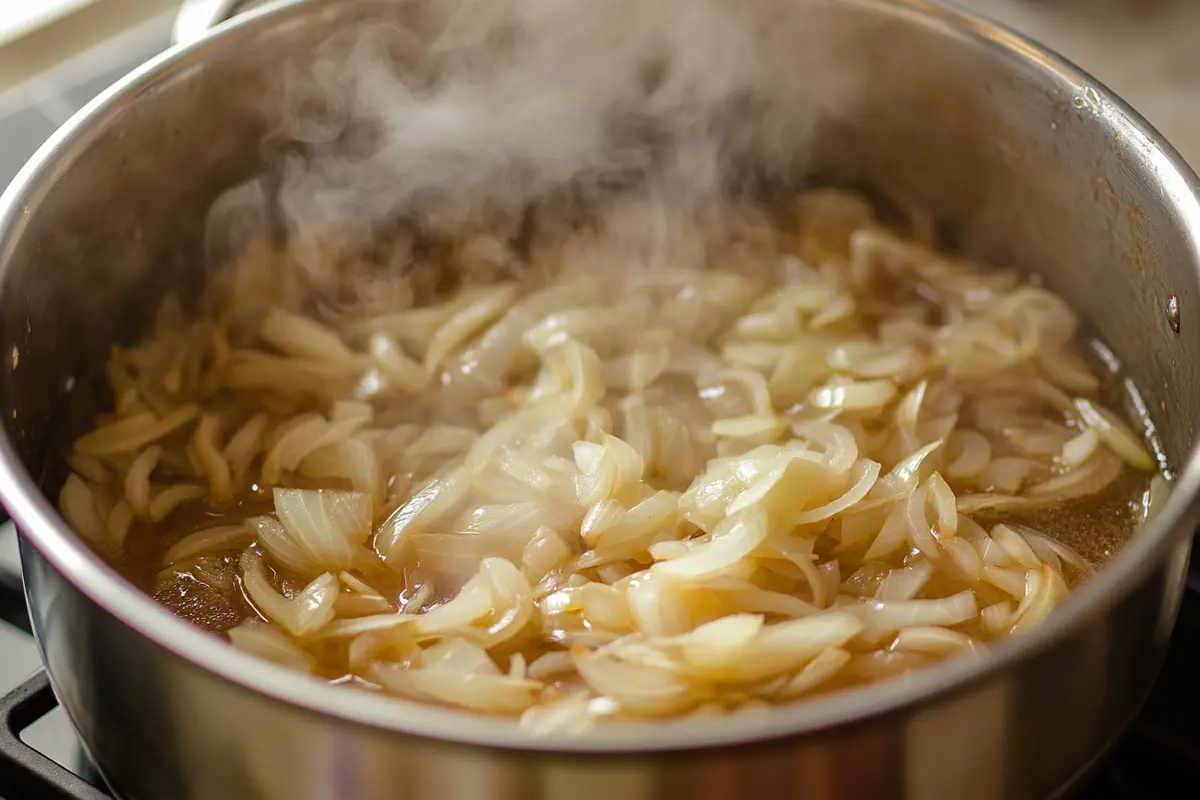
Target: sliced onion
<point>755,600</point>
<point>785,646</point>
<point>881,619</point>
<point>264,641</point>
<point>1080,448</point>
<point>903,584</point>
<point>1115,434</point>
<point>137,480</point>
<point>473,602</point>
<point>78,506</point>
<point>853,396</point>
<point>317,530</point>
<point>973,453</point>
<point>997,618</point>
<point>1006,474</point>
<point>120,519</point>
<point>208,453</point>
<point>1052,552</point>
<point>579,373</point>
<point>439,497</point>
<point>401,371</point>
<point>714,649</point>
<point>1009,580</point>
<point>892,536</point>
<point>1044,590</point>
<point>310,610</point>
<point>836,442</point>
<point>737,537</point>
<point>208,540</point>
<point>493,606</point>
<point>294,335</point>
<point>1015,546</point>
<point>170,498</point>
<point>1083,481</point>
<point>635,531</point>
<point>350,628</point>
<point>864,474</point>
<point>555,662</point>
<point>465,323</point>
<point>867,359</point>
<point>932,640</point>
<point>904,477</point>
<point>750,427</point>
<point>488,693</point>
<point>245,444</point>
<point>965,558</point>
<point>816,672</point>
<point>129,434</point>
<point>639,686</point>
<point>304,437</point>
<point>659,608</point>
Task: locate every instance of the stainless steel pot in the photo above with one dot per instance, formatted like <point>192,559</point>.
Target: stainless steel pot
<point>1024,159</point>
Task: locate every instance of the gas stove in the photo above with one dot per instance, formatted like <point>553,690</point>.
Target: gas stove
<point>1149,58</point>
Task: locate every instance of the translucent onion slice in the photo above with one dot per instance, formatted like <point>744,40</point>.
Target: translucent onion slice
<point>972,453</point>
<point>904,583</point>
<point>208,540</point>
<point>130,434</point>
<point>316,530</point>
<point>137,480</point>
<point>553,663</point>
<point>493,607</point>
<point>836,443</point>
<point>1016,547</point>
<point>931,639</point>
<point>659,608</point>
<point>294,335</point>
<point>1080,448</point>
<point>488,693</point>
<point>639,685</point>
<point>78,505</point>
<point>438,498</point>
<point>1044,590</point>
<point>462,325</point>
<point>734,539</point>
<point>785,646</point>
<point>1052,552</point>
<point>166,501</point>
<point>307,612</point>
<point>401,371</point>
<point>634,531</point>
<point>815,673</point>
<point>1115,434</point>
<point>860,396</point>
<point>714,649</point>
<point>864,473</point>
<point>881,619</point>
<point>264,641</point>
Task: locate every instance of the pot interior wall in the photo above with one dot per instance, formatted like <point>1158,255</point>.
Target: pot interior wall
<point>1017,165</point>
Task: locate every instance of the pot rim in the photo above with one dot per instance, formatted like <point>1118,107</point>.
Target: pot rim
<point>39,522</point>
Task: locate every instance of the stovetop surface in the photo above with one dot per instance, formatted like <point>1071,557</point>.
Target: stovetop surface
<point>1158,758</point>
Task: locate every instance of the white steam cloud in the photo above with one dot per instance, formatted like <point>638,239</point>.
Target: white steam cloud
<point>653,120</point>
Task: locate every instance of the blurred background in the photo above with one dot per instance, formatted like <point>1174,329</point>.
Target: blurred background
<point>55,55</point>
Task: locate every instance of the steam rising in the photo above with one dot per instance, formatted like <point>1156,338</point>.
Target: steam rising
<point>653,123</point>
